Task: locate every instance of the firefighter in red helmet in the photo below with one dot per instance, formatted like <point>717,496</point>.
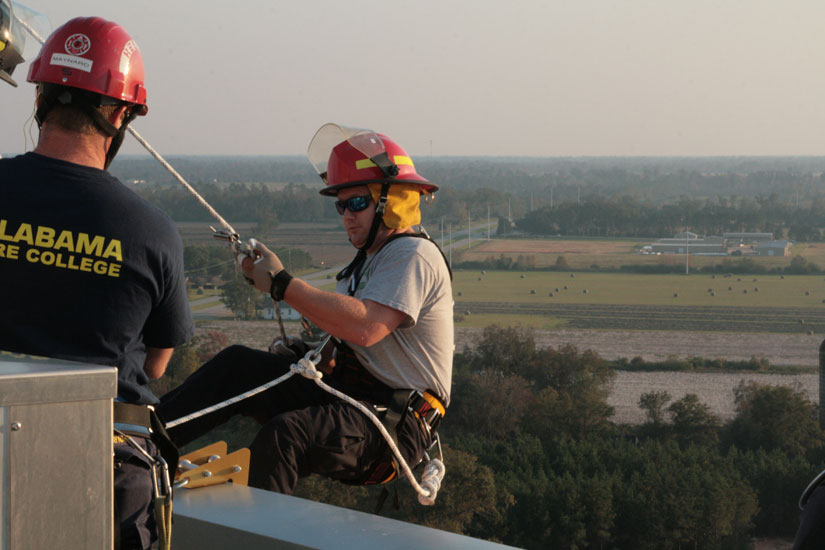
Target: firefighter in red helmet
<point>106,265</point>
<point>90,78</point>
<point>391,313</point>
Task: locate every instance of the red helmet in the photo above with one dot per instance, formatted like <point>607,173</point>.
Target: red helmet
<point>347,157</point>
<point>96,55</point>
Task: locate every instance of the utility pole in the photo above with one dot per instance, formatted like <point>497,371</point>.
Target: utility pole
<point>687,253</point>
<point>450,248</point>
<point>488,222</point>
<point>469,232</point>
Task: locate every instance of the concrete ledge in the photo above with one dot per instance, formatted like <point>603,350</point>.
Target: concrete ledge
<point>228,516</point>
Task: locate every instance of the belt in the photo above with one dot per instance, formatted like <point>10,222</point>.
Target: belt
<point>424,405</point>
<point>132,419</point>
<point>427,407</point>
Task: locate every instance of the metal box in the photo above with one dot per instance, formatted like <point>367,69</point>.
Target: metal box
<point>56,488</point>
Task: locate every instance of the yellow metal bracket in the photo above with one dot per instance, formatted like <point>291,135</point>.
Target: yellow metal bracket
<point>211,465</point>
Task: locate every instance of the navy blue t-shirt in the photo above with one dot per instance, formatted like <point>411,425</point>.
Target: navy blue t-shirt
<point>89,271</point>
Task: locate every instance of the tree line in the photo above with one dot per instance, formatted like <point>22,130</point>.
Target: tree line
<point>763,193</point>
<point>626,216</point>
<point>534,459</point>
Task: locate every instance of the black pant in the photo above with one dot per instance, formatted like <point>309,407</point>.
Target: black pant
<point>305,429</point>
<point>134,493</point>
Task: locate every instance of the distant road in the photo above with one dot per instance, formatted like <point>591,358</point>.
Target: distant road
<point>210,307</point>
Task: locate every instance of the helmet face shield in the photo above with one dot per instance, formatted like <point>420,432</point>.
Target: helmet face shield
<point>12,42</point>
<point>330,135</point>
<point>346,157</point>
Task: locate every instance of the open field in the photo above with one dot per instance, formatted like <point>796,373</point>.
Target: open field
<point>629,317</point>
<point>698,302</point>
<point>639,289</point>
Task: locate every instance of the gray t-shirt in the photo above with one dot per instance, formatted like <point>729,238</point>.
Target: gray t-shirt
<point>409,275</point>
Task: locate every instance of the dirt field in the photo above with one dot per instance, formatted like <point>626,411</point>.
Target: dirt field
<point>713,389</point>
<point>550,246</point>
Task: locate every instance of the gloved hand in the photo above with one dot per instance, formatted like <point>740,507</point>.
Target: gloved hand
<point>293,349</point>
<point>261,270</point>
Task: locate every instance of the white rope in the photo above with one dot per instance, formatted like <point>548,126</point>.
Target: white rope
<point>222,404</point>
<point>180,179</point>
<point>306,366</point>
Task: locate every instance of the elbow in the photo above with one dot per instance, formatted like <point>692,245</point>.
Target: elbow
<point>368,336</point>
<point>155,373</point>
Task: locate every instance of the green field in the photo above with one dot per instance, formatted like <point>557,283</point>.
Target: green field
<point>642,302</point>
<point>638,289</point>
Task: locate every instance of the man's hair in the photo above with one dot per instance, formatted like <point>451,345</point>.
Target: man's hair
<point>74,119</point>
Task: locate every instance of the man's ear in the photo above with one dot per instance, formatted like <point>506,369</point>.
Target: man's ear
<point>118,115</point>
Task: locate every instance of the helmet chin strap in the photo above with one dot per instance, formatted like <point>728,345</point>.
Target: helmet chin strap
<point>117,139</point>
<point>361,256</point>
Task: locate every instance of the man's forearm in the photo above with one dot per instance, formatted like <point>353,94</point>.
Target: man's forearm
<point>156,361</point>
<point>361,322</point>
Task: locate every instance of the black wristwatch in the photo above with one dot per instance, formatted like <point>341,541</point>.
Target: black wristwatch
<point>279,283</point>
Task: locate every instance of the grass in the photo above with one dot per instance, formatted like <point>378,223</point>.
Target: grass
<point>198,307</point>
<point>638,289</point>
<point>192,293</point>
<point>539,322</point>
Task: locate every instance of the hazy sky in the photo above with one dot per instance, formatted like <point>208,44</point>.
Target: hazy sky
<point>470,77</point>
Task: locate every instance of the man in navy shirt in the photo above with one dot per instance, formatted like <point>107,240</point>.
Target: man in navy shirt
<point>89,271</point>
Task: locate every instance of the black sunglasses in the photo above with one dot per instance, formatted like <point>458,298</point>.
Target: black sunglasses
<point>353,204</point>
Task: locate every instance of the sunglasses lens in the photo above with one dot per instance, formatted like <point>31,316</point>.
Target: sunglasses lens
<point>356,204</point>
<point>353,204</point>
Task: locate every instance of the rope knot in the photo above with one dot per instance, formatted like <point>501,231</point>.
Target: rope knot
<point>431,481</point>
<point>306,368</point>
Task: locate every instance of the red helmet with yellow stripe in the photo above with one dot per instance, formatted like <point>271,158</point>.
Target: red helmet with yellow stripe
<point>348,157</point>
